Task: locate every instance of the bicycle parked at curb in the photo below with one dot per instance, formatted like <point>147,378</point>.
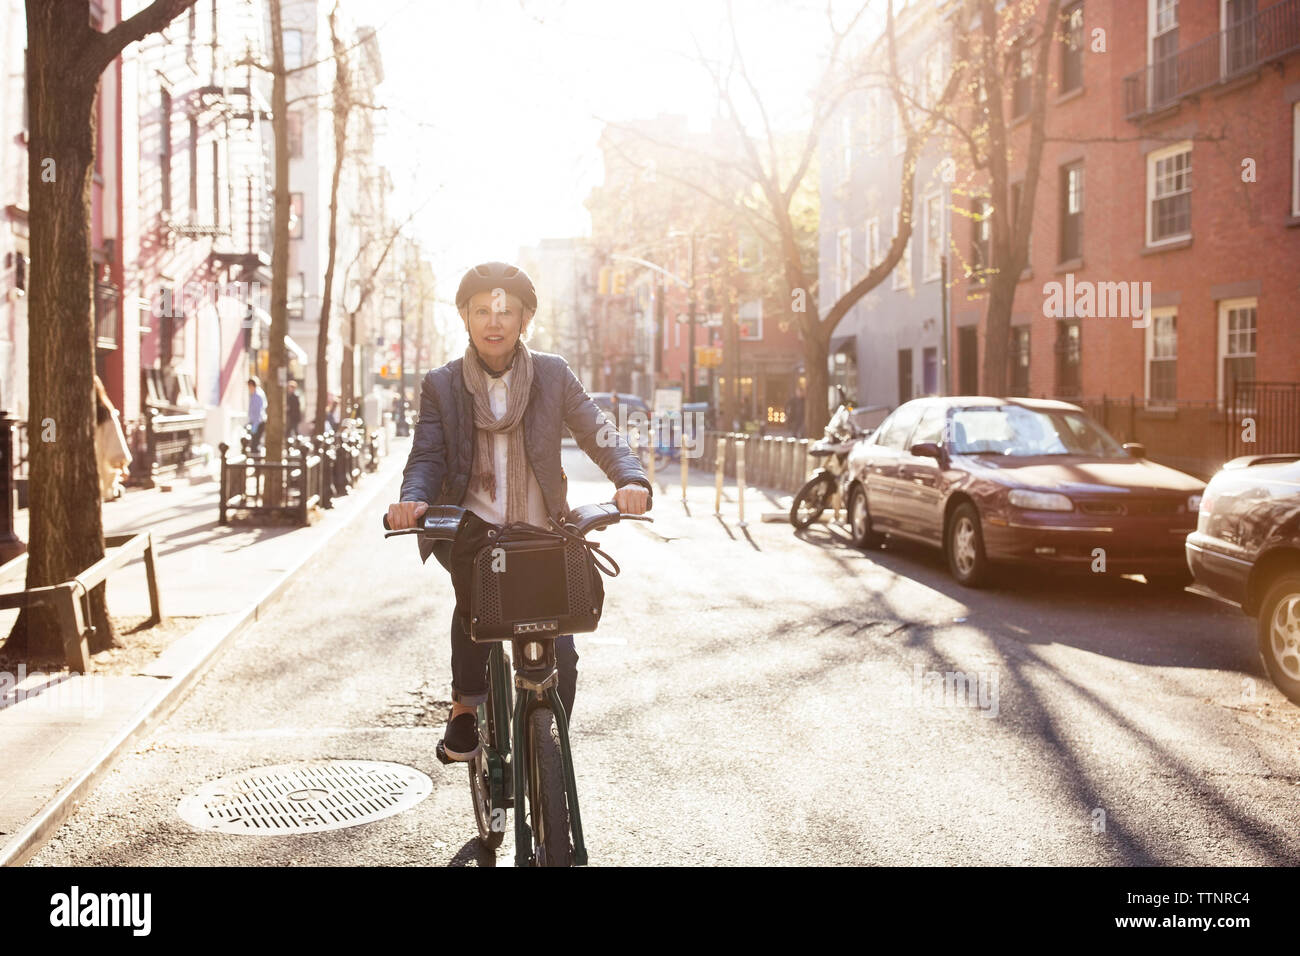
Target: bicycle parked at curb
<point>528,586</point>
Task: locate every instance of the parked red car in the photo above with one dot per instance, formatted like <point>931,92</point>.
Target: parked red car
<point>994,480</point>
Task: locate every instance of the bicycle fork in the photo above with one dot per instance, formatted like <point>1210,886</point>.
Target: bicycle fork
<point>528,691</point>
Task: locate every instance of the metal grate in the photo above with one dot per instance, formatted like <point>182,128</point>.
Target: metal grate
<point>305,797</point>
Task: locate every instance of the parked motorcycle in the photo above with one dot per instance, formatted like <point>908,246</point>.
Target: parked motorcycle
<point>825,486</point>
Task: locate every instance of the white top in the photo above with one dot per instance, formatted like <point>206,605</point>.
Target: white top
<point>480,502</point>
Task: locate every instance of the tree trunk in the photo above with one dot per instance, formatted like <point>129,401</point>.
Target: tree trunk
<point>277,365</point>
<point>342,104</point>
<point>816,351</point>
<point>66,532</point>
<point>65,58</point>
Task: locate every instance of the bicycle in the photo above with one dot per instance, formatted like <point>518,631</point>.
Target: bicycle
<point>527,747</point>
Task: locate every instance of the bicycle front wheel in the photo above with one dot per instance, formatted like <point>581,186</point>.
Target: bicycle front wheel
<point>546,795</point>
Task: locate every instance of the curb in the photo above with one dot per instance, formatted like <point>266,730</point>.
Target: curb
<point>212,638</point>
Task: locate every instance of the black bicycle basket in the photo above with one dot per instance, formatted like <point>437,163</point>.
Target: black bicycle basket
<point>527,582</point>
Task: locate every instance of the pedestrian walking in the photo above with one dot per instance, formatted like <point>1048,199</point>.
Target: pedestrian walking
<point>510,405</point>
<point>292,409</point>
<point>256,414</point>
<point>111,452</point>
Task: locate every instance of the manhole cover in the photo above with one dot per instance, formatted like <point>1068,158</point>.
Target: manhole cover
<point>303,797</point>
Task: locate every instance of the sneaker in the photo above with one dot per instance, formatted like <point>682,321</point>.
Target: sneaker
<point>461,740</point>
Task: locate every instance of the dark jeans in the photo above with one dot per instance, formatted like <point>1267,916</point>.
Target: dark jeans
<point>469,682</point>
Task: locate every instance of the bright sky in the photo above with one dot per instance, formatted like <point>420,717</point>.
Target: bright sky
<point>495,106</point>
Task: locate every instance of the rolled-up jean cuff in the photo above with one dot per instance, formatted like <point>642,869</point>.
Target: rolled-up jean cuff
<point>469,700</point>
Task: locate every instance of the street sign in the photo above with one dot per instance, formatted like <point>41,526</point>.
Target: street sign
<point>668,400</point>
<point>708,356</point>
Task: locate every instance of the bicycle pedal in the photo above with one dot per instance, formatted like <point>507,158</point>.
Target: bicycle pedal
<point>441,753</point>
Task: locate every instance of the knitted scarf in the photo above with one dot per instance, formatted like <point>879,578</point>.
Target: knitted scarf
<point>488,425</point>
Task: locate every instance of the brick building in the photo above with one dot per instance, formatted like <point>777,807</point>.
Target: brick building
<point>1172,158</point>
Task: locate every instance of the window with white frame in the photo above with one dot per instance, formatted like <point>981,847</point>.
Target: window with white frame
<point>874,252</point>
<point>843,262</point>
<point>749,254</point>
<point>1295,159</point>
<point>933,236</point>
<point>1162,49</point>
<point>1162,357</point>
<point>1237,319</point>
<point>1237,25</point>
<point>750,320</point>
<point>903,270</point>
<point>1169,194</point>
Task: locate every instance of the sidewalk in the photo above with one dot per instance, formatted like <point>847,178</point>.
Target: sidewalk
<point>59,733</point>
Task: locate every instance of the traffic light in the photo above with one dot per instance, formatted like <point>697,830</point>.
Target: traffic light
<point>620,282</point>
<point>602,286</point>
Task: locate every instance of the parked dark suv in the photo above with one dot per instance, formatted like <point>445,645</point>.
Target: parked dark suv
<point>1246,551</point>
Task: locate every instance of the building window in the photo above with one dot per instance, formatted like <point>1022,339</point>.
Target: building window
<point>749,254</point>
<point>1072,47</point>
<point>981,238</point>
<point>165,150</point>
<point>1023,83</point>
<point>933,236</point>
<point>292,48</point>
<point>1162,357</point>
<point>1071,201</point>
<point>1069,359</point>
<point>194,170</point>
<point>1162,20</point>
<point>296,295</point>
<point>1169,194</point>
<point>1239,52</point>
<point>844,370</point>
<point>846,147</point>
<point>1018,190</point>
<point>903,271</point>
<point>1236,344</point>
<point>875,253</point>
<point>1295,159</point>
<point>930,370</point>
<point>295,216</point>
<point>294,124</point>
<point>843,263</point>
<point>216,183</point>
<point>1018,362</point>
<point>904,375</point>
<point>750,320</point>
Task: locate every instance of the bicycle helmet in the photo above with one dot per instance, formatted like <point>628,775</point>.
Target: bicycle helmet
<point>497,275</point>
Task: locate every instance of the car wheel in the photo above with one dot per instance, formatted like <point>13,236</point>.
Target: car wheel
<point>1279,634</point>
<point>964,546</point>
<point>860,520</point>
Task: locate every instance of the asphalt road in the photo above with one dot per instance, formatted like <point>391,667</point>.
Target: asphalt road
<point>757,699</point>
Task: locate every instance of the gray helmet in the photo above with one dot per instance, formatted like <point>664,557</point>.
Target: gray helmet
<point>497,275</point>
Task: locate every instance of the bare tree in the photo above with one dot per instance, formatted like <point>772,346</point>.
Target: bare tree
<point>66,57</point>
<point>778,176</point>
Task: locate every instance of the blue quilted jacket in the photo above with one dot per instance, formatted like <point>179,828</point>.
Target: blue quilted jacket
<point>437,471</point>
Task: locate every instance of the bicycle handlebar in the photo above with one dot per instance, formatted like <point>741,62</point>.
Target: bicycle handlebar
<point>442,522</point>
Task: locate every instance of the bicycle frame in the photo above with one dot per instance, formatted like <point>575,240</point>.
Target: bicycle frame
<point>534,687</point>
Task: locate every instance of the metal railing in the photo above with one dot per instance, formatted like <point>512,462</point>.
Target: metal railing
<point>1269,35</point>
<point>266,489</point>
<point>171,443</point>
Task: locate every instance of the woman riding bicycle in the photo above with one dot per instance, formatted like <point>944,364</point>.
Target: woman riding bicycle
<point>488,439</point>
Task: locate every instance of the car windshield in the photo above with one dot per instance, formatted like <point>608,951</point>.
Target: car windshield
<point>1023,432</point>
